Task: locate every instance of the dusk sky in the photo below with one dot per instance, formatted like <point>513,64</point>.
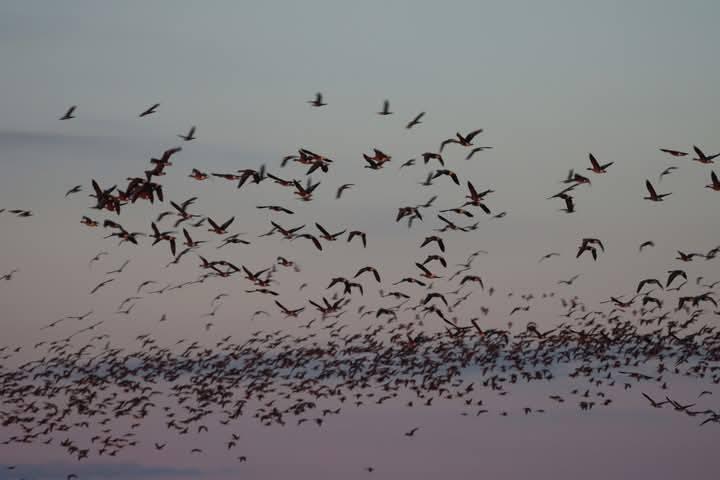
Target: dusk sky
<point>548,82</point>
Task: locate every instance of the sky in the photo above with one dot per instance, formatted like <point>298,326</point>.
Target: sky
<point>548,82</point>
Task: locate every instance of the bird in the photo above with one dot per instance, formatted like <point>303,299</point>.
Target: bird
<point>69,114</point>
<point>704,158</point>
<point>596,167</point>
<point>360,234</point>
<point>464,140</point>
<point>715,185</point>
<point>415,121</point>
<point>342,188</point>
<point>476,150</point>
<point>9,275</point>
<point>653,195</point>
<point>318,101</point>
<point>674,153</point>
<point>648,243</point>
<point>101,284</point>
<point>654,403</point>
<point>219,229</point>
<point>548,255</point>
<point>569,281</point>
<point>75,189</point>
<point>150,110</point>
<point>190,135</point>
<point>385,108</point>
<point>667,171</point>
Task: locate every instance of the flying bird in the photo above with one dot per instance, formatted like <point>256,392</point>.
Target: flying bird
<point>653,195</point>
<point>150,110</point>
<point>318,101</point>
<point>190,135</point>
<point>415,121</point>
<point>69,114</point>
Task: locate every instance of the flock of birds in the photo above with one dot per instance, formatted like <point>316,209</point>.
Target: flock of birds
<point>91,399</point>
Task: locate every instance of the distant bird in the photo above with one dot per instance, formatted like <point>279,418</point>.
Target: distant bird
<point>318,101</point>
<point>648,243</point>
<point>415,121</point>
<point>703,158</point>
<point>596,167</point>
<point>476,150</point>
<point>342,188</point>
<point>101,284</point>
<point>465,141</point>
<point>150,110</point>
<point>548,255</point>
<point>667,171</point>
<point>674,153</point>
<point>190,135</point>
<point>75,189</point>
<point>653,195</point>
<point>8,276</point>
<point>569,281</point>
<point>385,108</point>
<point>69,114</point>
<point>715,185</point>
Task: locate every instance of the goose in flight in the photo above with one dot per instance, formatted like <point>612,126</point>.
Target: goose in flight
<point>427,156</point>
<point>360,234</point>
<point>150,110</point>
<point>318,101</point>
<point>653,194</point>
<point>288,312</point>
<point>674,153</point>
<point>415,121</point>
<point>476,150</point>
<point>219,229</point>
<point>198,175</point>
<point>548,255</point>
<point>425,272</point>
<point>465,141</point>
<point>342,188</point>
<point>715,185</point>
<point>704,158</point>
<point>69,114</point>
<point>643,245</point>
<point>435,239</point>
<point>328,236</point>
<point>78,188</point>
<point>596,167</point>
<point>667,171</point>
<point>190,135</point>
<point>385,108</point>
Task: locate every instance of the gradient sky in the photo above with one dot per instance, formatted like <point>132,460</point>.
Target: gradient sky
<point>548,81</point>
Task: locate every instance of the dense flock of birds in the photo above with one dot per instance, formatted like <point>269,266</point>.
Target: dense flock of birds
<point>91,399</point>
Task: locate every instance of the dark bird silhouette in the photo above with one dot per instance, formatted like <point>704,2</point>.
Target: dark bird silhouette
<point>415,121</point>
<point>150,110</point>
<point>653,195</point>
<point>318,101</point>
<point>190,135</point>
<point>69,114</point>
